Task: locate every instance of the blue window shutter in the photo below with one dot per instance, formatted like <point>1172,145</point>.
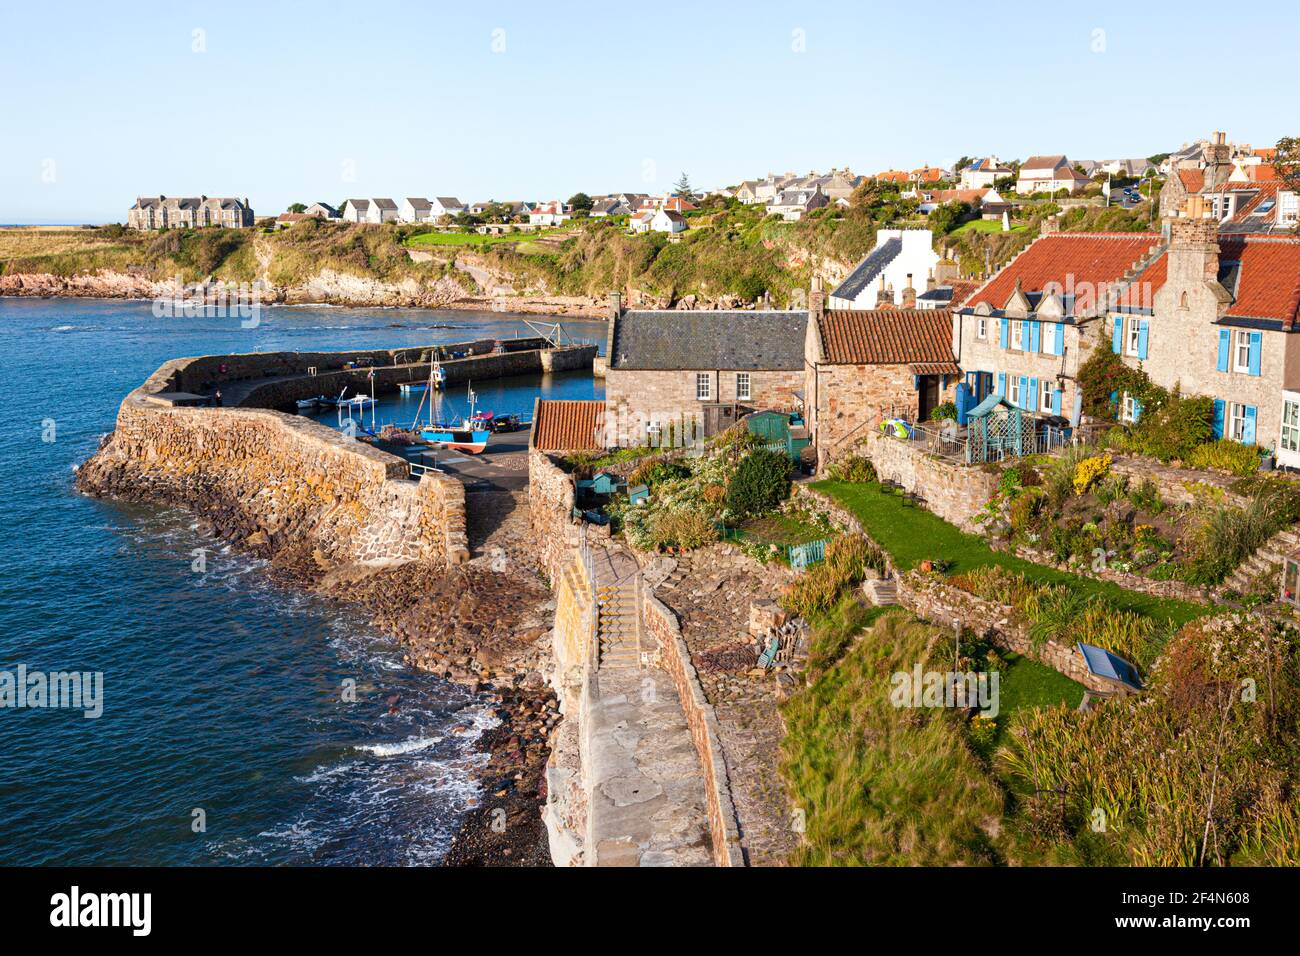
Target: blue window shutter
<point>1117,339</point>
<point>1034,397</point>
<point>1056,401</point>
<point>1142,339</point>
<point>1114,401</point>
<point>1137,411</point>
<point>1006,333</point>
<point>1256,340</point>
<point>1024,392</point>
<point>1002,384</point>
<point>1224,336</point>
<point>1060,339</point>
<point>1219,410</point>
<point>1035,335</point>
<point>1248,432</point>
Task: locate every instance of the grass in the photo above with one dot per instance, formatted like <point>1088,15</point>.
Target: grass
<point>781,528</point>
<point>985,225</point>
<point>465,239</point>
<point>912,534</point>
<point>880,785</point>
<point>1025,684</point>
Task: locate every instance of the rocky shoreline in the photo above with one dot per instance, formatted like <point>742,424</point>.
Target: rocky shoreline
<point>472,625</point>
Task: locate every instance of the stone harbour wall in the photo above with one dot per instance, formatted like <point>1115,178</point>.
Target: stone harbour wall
<point>939,603</point>
<point>273,481</point>
<point>675,657</point>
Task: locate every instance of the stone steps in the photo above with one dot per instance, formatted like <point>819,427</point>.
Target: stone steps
<point>1267,558</point>
<point>881,592</point>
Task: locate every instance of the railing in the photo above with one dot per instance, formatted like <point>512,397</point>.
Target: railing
<point>957,444</point>
<point>419,469</point>
<point>802,555</point>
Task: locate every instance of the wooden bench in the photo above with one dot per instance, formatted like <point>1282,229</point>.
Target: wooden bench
<point>912,498</point>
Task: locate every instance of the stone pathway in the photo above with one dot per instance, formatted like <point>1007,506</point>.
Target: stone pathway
<point>648,805</point>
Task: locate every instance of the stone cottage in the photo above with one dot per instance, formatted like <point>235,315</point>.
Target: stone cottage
<point>189,212</point>
<point>863,366</point>
<point>673,375</point>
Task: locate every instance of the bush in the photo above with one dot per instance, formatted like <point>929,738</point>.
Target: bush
<point>761,482</point>
<point>856,469</point>
<point>1089,471</point>
<point>817,589</point>
<point>1226,455</point>
<point>682,529</point>
<point>944,412</point>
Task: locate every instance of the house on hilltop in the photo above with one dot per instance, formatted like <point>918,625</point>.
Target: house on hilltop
<point>900,258</point>
<point>1049,174</point>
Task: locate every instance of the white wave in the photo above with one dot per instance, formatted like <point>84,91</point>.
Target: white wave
<point>410,745</point>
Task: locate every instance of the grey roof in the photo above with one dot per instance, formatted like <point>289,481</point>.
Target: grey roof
<point>706,340</point>
<point>361,204</point>
<point>450,202</point>
<point>384,203</point>
<point>417,202</point>
<point>869,268</point>
<point>941,293</point>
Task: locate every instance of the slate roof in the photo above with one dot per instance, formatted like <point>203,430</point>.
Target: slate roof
<point>566,425</point>
<point>869,268</point>
<point>384,203</point>
<point>730,340</point>
<point>418,203</point>
<point>887,337</point>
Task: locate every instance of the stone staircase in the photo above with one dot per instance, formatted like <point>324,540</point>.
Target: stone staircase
<point>882,592</point>
<point>1268,558</point>
<point>618,610</point>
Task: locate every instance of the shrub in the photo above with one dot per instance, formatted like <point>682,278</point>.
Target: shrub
<point>857,469</point>
<point>817,589</point>
<point>1226,455</point>
<point>944,412</point>
<point>1147,497</point>
<point>761,482</point>
<point>1089,471</point>
<point>682,529</point>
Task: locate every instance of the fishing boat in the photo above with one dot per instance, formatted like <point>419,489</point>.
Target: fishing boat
<point>307,404</point>
<point>356,402</point>
<point>470,434</point>
<point>437,379</point>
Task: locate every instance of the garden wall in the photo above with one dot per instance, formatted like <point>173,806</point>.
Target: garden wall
<point>930,598</point>
<point>955,492</point>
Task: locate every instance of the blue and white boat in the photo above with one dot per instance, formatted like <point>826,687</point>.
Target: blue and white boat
<point>470,434</point>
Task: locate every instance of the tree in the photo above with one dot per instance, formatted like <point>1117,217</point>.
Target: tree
<point>1287,164</point>
<point>298,207</point>
<point>580,202</point>
<point>683,185</point>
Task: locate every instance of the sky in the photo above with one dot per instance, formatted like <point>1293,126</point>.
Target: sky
<point>288,102</point>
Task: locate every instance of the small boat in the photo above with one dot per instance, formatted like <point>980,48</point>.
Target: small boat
<point>469,435</point>
<point>408,387</point>
<point>356,401</point>
<point>307,404</point>
<point>437,379</point>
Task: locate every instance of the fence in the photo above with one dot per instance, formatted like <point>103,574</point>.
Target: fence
<point>956,444</point>
<point>802,555</point>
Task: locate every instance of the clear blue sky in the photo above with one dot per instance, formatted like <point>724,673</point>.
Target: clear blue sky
<point>105,101</point>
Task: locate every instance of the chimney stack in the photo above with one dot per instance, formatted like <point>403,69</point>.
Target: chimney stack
<point>1193,245</point>
<point>1049,226</point>
<point>909,294</point>
<point>615,305</point>
<point>816,298</point>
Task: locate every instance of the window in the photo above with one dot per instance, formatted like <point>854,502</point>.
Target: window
<point>1242,352</point>
<point>703,386</point>
<point>1045,403</point>
<point>1291,426</point>
<point>1014,397</point>
<point>1018,335</point>
<point>982,328</point>
<point>1237,422</point>
<point>742,386</point>
<point>1132,343</point>
<point>1128,408</point>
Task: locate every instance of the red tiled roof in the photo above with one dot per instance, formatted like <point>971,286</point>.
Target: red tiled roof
<point>1193,179</point>
<point>893,176</point>
<point>1077,261</point>
<point>1262,172</point>
<point>565,425</point>
<point>887,337</point>
<point>934,368</point>
<point>1268,286</point>
<point>962,289</point>
<point>1141,292</point>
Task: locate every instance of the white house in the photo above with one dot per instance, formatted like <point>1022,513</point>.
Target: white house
<point>608,206</point>
<point>902,258</point>
<point>1049,174</point>
<point>356,210</point>
<point>548,214</point>
<point>382,210</point>
<point>320,210</point>
<point>666,220</point>
<point>417,209</point>
<point>792,204</point>
<point>641,220</point>
<point>983,173</point>
<point>446,206</point>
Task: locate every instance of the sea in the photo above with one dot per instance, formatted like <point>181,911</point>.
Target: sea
<point>238,722</point>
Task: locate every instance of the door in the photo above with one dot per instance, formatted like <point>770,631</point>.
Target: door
<point>929,396</point>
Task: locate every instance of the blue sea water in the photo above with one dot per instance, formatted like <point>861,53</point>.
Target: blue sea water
<point>222,693</point>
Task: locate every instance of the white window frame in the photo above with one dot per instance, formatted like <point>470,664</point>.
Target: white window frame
<point>1236,424</point>
<point>1018,335</point>
<point>1013,390</point>
<point>1127,408</point>
<point>982,328</point>
<point>1048,388</point>
<point>1290,438</point>
<point>703,387</point>
<point>744,387</point>
<point>1241,352</point>
<point>1133,341</point>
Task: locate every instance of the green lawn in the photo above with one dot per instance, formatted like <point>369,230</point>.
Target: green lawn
<point>471,238</point>
<point>1025,683</point>
<point>780,528</point>
<point>911,534</point>
<point>985,225</point>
